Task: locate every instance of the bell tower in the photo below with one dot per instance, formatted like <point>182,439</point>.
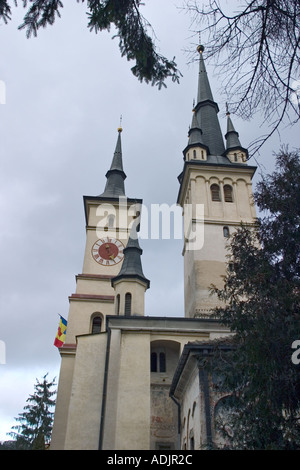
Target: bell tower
<point>110,218</point>
<point>215,194</point>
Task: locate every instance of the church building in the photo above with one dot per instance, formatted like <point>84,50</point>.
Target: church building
<point>130,381</point>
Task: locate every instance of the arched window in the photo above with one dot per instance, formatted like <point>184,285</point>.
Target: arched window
<point>158,362</point>
<point>127,304</point>
<point>235,157</point>
<point>118,304</point>
<point>194,154</point>
<point>228,193</point>
<point>162,362</point>
<point>153,362</point>
<point>215,192</point>
<point>96,325</point>
<point>226,232</point>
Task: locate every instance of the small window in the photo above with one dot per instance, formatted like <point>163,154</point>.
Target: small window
<point>158,362</point>
<point>194,154</point>
<point>127,304</point>
<point>202,154</point>
<point>153,362</point>
<point>226,232</point>
<point>162,362</point>
<point>235,157</point>
<point>228,193</point>
<point>96,325</point>
<point>215,192</point>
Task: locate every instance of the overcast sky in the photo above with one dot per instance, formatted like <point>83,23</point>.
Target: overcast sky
<point>65,92</point>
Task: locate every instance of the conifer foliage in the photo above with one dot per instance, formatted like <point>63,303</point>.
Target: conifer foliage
<point>261,295</point>
<point>132,30</point>
<point>35,423</point>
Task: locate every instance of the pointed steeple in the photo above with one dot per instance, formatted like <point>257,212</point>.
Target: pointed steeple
<point>231,136</point>
<point>207,112</point>
<point>234,150</point>
<point>195,143</point>
<point>114,187</point>
<point>132,264</point>
<point>204,90</point>
<point>195,132</point>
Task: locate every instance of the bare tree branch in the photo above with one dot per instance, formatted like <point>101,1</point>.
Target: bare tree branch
<point>257,51</point>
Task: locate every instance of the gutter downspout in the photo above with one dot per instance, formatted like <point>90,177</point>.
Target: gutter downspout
<point>104,391</point>
<point>178,422</point>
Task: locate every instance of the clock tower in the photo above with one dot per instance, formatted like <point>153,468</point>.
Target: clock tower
<point>110,218</point>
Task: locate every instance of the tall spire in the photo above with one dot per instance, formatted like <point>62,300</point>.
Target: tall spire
<point>114,187</point>
<point>204,90</point>
<point>207,111</point>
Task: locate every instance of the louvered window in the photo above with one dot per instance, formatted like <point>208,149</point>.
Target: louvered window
<point>228,193</point>
<point>215,192</point>
<point>96,325</point>
<point>127,304</point>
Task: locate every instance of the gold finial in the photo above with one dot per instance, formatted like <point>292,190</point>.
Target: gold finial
<point>200,48</point>
<point>120,127</point>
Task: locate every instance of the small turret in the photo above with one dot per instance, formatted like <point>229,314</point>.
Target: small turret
<point>234,150</point>
<point>130,284</point>
<point>195,149</point>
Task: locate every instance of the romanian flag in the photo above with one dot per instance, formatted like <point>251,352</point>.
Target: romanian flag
<point>61,333</point>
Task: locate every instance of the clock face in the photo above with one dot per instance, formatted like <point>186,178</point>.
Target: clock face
<point>108,251</point>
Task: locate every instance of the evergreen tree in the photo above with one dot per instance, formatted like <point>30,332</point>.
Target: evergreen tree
<point>34,430</point>
<point>262,298</point>
<point>135,42</point>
